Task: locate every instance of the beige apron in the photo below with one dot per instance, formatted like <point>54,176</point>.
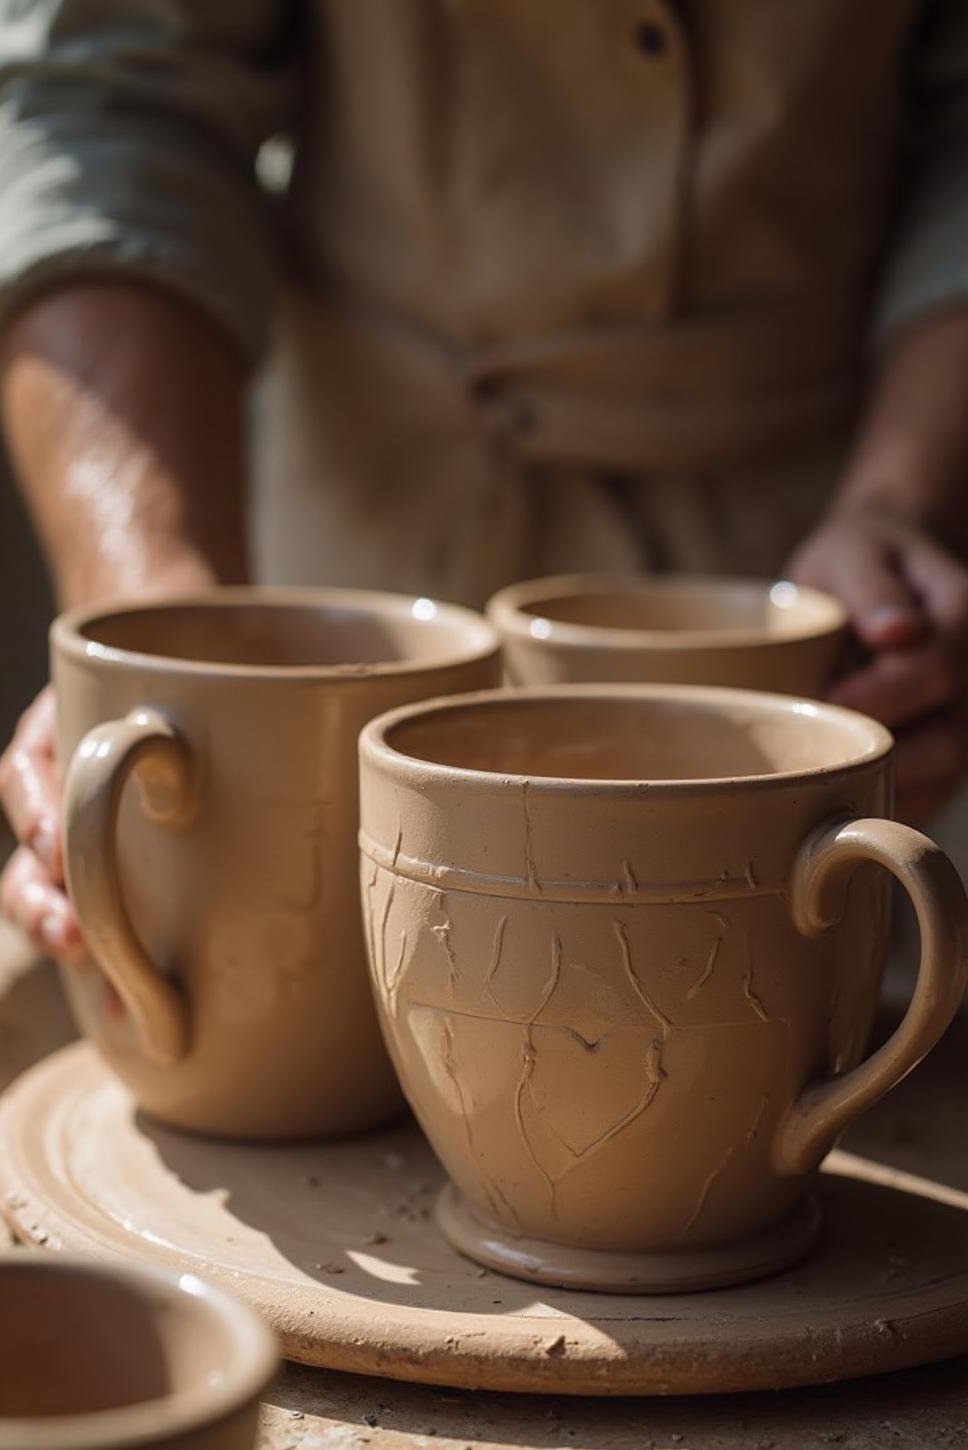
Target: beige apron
<point>580,285</point>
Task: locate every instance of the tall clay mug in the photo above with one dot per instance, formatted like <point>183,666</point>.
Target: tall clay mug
<point>688,630</point>
<point>107,1357</point>
<point>627,943</point>
<point>210,823</point>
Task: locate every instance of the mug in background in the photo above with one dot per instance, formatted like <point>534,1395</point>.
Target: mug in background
<point>681,629</point>
<point>210,823</point>
<point>627,965</point>
<point>101,1356</point>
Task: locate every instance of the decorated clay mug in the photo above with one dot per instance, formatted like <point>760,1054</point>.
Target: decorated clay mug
<point>106,1357</point>
<point>687,630</point>
<point>627,943</point>
<point>210,820</point>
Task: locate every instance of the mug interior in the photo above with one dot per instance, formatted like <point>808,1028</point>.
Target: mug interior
<point>362,631</point>
<point>638,736</point>
<point>77,1342</point>
<point>729,609</point>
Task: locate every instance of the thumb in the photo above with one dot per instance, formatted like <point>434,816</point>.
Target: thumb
<point>865,575</point>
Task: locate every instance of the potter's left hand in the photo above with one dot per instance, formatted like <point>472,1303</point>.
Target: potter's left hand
<point>908,602</point>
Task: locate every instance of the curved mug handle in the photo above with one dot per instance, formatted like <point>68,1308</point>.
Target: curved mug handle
<point>819,897</point>
<point>100,767</point>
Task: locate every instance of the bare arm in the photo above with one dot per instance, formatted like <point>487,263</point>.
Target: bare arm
<point>123,413</point>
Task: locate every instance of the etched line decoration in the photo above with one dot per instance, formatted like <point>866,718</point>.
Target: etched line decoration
<point>713,1177</point>
<point>712,958</point>
<point>631,890</point>
<point>707,1188</point>
<point>653,1072</point>
<point>529,1057</point>
<point>497,948</point>
<point>530,870</point>
<point>748,990</point>
<point>393,982</point>
<point>370,916</point>
<point>654,1077</point>
<point>492,1190</point>
<point>384,917</point>
<point>637,987</point>
<point>442,933</point>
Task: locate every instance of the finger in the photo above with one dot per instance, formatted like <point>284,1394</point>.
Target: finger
<point>941,581</point>
<point>28,787</point>
<point>865,574</point>
<point>898,686</point>
<point>29,898</point>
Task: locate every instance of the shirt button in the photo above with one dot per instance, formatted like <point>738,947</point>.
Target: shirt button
<point>650,38</point>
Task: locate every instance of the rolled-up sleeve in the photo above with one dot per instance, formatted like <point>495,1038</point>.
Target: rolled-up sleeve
<point>129,131</point>
<point>927,266</point>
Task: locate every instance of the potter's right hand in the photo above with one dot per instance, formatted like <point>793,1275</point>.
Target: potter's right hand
<point>32,885</point>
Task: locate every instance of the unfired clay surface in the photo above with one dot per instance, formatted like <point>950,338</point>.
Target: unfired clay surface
<point>335,1244</point>
<point>683,629</point>
<point>627,946</point>
<point>220,901</point>
<point>104,1356</point>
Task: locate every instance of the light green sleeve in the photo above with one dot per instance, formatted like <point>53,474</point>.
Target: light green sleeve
<point>927,266</point>
<point>129,131</point>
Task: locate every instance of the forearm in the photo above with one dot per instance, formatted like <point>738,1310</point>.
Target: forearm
<point>910,459</point>
<point>123,413</point>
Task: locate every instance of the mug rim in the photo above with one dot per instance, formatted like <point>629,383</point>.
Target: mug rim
<point>67,637</point>
<point>250,1364</point>
<point>509,610</point>
<point>376,748</point>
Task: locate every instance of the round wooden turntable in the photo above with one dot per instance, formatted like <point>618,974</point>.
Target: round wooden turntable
<point>336,1245</point>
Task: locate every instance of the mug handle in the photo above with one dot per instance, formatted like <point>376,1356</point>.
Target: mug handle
<point>818,900</point>
<point>100,767</point>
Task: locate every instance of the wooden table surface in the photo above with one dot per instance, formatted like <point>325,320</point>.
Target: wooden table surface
<point>922,1128</point>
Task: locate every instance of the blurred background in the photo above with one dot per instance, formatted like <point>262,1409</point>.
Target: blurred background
<point>25,609</point>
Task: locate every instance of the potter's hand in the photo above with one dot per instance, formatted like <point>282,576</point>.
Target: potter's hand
<point>908,603</point>
<point>32,885</point>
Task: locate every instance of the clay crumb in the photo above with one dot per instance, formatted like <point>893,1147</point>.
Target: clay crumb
<point>676,1439</point>
<point>374,1238</point>
<point>330,1268</point>
<point>557,1347</point>
<point>480,1273</point>
<point>296,1415</point>
<point>370,1420</point>
<point>884,1326</point>
<point>393,1161</point>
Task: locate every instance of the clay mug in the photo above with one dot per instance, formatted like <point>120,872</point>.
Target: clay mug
<point>105,1357</point>
<point>627,943</point>
<point>683,629</point>
<point>210,821</point>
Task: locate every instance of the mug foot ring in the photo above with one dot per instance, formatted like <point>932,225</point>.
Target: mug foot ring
<point>618,1272</point>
